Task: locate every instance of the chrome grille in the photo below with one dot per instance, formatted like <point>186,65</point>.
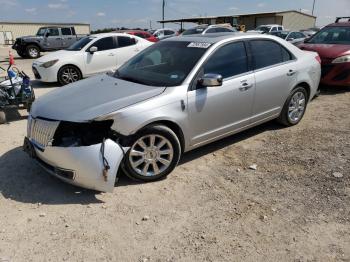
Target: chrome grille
<point>41,132</point>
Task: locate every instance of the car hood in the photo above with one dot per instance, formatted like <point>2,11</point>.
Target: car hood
<point>90,98</point>
<point>62,54</point>
<point>329,51</point>
<point>29,37</point>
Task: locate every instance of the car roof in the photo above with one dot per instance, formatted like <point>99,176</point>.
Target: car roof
<point>217,37</point>
<point>345,24</point>
<point>108,34</point>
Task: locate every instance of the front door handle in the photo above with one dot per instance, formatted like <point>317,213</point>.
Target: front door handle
<point>291,72</point>
<point>245,86</point>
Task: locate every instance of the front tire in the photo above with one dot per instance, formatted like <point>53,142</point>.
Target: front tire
<point>154,154</point>
<point>68,74</point>
<point>294,108</point>
<point>2,117</point>
<point>22,54</point>
<point>32,51</point>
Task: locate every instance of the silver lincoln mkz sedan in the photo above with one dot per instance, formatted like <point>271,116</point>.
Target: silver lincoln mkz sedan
<point>176,95</point>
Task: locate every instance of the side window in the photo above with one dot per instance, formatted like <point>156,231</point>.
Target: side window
<point>211,30</point>
<point>124,41</point>
<point>66,31</point>
<point>169,32</point>
<point>228,61</point>
<point>299,35</point>
<point>54,32</point>
<point>280,28</point>
<point>274,29</point>
<point>267,53</point>
<point>103,44</point>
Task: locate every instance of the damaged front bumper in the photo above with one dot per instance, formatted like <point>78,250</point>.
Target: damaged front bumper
<point>83,166</point>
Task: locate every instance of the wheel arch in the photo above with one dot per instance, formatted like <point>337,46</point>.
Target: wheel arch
<point>34,44</point>
<point>70,64</point>
<point>306,86</point>
<point>174,127</point>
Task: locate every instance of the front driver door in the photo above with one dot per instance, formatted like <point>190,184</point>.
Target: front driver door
<point>217,111</point>
<point>53,39</point>
<point>104,59</point>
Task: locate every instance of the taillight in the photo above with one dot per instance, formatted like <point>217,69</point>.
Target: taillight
<point>318,58</point>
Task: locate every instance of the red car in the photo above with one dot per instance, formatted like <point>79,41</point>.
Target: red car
<point>143,34</point>
<point>332,43</point>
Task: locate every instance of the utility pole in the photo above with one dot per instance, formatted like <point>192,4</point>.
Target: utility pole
<point>163,7</point>
<point>313,7</point>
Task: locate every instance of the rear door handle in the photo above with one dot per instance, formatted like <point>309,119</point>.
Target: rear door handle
<point>291,72</point>
<point>245,86</point>
<point>111,54</point>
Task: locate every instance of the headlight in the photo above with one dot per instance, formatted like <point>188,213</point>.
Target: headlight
<point>341,59</point>
<point>49,64</point>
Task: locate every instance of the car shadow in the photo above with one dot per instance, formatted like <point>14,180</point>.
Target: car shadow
<point>12,114</point>
<point>333,90</point>
<point>212,147</point>
<point>23,180</point>
<point>36,84</point>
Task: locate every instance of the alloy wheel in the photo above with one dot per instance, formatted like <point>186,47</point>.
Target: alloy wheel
<point>33,52</point>
<point>70,75</point>
<point>151,155</point>
<point>296,107</point>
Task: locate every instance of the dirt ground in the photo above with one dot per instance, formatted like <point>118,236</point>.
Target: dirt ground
<point>294,207</point>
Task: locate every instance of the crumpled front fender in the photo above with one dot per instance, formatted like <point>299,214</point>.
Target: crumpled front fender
<point>86,162</point>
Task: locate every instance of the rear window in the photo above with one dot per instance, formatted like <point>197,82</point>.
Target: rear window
<point>268,53</point>
<point>124,41</point>
<point>332,35</point>
<point>66,31</point>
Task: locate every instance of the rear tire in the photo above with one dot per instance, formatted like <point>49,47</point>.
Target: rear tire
<point>154,154</point>
<point>294,108</point>
<point>68,74</point>
<point>32,51</point>
<point>2,117</point>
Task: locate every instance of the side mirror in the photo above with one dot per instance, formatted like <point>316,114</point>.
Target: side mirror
<point>93,49</point>
<point>209,80</point>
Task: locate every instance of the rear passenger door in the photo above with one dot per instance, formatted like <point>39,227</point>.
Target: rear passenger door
<point>67,37</point>
<point>217,111</point>
<point>126,49</point>
<point>275,76</point>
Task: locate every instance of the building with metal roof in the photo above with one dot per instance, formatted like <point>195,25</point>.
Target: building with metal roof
<point>291,19</point>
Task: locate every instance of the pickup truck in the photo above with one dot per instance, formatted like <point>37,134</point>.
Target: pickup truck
<point>46,39</point>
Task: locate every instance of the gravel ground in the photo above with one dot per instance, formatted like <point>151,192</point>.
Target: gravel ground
<point>294,207</point>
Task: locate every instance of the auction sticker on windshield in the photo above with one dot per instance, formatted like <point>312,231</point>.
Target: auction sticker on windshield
<point>199,45</point>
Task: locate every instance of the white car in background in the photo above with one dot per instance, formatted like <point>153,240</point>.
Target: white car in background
<point>91,55</point>
<point>266,29</point>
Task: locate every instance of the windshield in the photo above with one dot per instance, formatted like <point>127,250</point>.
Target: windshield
<point>194,31</point>
<point>77,46</point>
<point>41,32</point>
<point>332,35</point>
<point>163,64</point>
<point>280,34</point>
<point>265,29</point>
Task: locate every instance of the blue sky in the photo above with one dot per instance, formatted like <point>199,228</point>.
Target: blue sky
<point>138,13</point>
